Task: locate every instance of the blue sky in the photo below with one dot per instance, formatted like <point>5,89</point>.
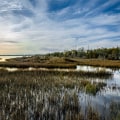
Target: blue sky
<point>43,26</point>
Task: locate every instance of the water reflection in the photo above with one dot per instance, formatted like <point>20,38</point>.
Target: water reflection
<point>2,59</point>
<point>92,69</point>
<point>110,93</point>
<point>114,81</point>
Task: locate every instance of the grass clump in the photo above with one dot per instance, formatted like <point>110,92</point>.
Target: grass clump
<point>90,88</point>
<point>92,114</point>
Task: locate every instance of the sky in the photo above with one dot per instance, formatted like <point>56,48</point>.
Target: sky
<point>44,26</point>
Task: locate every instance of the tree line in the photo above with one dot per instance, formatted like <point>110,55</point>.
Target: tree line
<point>100,53</point>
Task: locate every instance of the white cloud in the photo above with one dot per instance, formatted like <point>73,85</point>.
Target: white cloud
<point>34,34</point>
<point>8,5</point>
<point>106,20</point>
<point>101,7</point>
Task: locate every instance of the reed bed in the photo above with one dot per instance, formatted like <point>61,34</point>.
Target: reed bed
<point>60,62</point>
<point>69,72</point>
<point>36,65</point>
<point>115,64</point>
<point>44,95</point>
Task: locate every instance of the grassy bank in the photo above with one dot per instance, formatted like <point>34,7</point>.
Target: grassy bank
<point>98,62</point>
<point>36,65</point>
<point>58,62</point>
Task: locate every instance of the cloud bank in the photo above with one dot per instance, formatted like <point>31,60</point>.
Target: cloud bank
<point>43,26</point>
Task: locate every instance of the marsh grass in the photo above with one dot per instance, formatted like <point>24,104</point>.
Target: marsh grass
<point>114,64</point>
<point>43,95</point>
<point>59,62</point>
<point>91,88</point>
<point>36,65</point>
<point>68,79</point>
<point>114,111</point>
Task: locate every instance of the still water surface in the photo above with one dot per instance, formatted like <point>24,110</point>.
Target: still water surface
<point>110,93</point>
<point>4,58</point>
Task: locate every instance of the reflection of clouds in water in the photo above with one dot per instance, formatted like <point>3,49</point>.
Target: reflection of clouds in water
<point>101,98</point>
<point>117,75</point>
<point>92,69</point>
<point>101,101</point>
<point>115,81</point>
<point>11,69</point>
<point>117,78</point>
<point>2,59</point>
<point>85,68</point>
<point>109,91</point>
<point>97,80</point>
<point>106,95</point>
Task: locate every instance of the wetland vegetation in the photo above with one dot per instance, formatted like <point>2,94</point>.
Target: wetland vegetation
<point>50,95</point>
<point>54,87</point>
<point>58,62</point>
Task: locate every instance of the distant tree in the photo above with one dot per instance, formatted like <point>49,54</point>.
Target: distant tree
<point>100,53</point>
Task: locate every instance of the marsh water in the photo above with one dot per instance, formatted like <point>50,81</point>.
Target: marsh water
<point>110,93</point>
<point>103,98</point>
<point>4,58</point>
